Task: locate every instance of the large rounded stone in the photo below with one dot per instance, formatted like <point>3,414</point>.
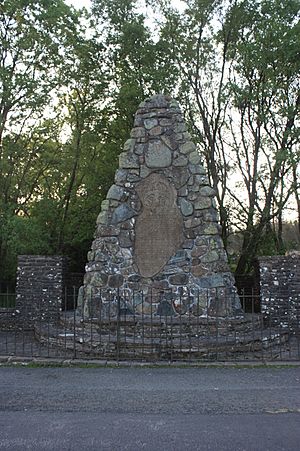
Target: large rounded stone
<point>155,131</point>
<point>211,229</point>
<point>179,279</point>
<point>170,141</point>
<point>187,147</point>
<point>207,191</point>
<point>115,192</point>
<point>210,257</point>
<point>144,172</point>
<point>179,128</point>
<point>198,251</point>
<point>129,144</point>
<point>180,161</point>
<point>140,149</point>
<point>186,207</point>
<point>121,175</point>
<point>211,215</point>
<point>105,205</point>
<point>194,157</point>
<point>115,281</point>
<point>122,213</point>
<point>158,155</point>
<point>192,222</point>
<point>165,308</point>
<point>183,192</point>
<point>213,281</point>
<point>133,177</point>
<point>99,279</point>
<point>100,256</point>
<point>199,271</point>
<point>187,136</point>
<point>150,123</point>
<point>103,217</point>
<point>125,239</point>
<point>138,132</point>
<point>179,175</point>
<point>202,203</point>
<point>108,230</point>
<point>160,285</point>
<point>128,161</point>
<point>165,122</point>
<point>134,278</point>
<point>197,169</point>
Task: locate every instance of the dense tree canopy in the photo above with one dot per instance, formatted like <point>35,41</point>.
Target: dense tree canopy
<point>70,82</point>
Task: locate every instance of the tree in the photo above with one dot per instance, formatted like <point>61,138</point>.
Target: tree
<point>136,62</point>
<point>266,96</point>
<point>33,36</point>
<point>85,88</point>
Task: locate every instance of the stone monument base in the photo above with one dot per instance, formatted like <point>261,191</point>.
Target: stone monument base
<point>169,338</point>
<point>179,301</point>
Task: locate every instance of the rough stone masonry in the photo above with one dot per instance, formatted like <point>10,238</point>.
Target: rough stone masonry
<point>157,239</point>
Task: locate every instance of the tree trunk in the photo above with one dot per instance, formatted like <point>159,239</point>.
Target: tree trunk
<point>296,193</point>
<point>279,235</point>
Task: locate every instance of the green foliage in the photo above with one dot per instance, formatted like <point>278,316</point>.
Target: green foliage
<point>70,83</point>
<point>268,244</point>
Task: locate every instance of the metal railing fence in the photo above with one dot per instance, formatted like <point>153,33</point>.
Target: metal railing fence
<point>119,326</point>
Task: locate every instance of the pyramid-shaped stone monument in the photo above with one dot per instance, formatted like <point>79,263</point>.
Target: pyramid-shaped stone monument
<point>157,241</point>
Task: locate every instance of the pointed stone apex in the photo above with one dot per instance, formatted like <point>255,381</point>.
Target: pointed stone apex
<point>159,101</point>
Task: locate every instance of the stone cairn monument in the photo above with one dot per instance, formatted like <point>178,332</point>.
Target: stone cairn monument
<point>157,244</point>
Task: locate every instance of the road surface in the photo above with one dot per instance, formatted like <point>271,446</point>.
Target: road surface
<point>149,409</point>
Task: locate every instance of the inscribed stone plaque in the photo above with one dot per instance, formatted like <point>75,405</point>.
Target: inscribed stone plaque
<point>159,227</point>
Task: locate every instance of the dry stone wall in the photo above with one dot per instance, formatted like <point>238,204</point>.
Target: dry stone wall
<point>40,288</point>
<point>279,280</point>
<point>157,233</point>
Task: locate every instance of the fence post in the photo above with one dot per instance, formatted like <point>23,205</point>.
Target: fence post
<point>74,322</point>
<point>118,323</point>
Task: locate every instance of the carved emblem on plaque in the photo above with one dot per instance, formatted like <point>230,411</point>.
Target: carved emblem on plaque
<point>159,227</point>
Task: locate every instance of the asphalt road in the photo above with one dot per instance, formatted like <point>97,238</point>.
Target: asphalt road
<point>149,409</point>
